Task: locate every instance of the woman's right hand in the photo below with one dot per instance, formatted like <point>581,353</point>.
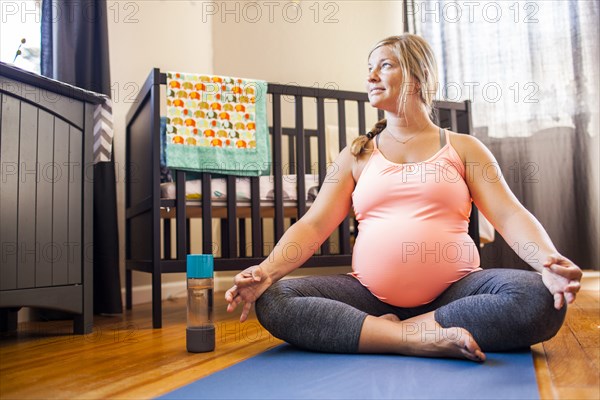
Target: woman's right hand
<point>248,286</point>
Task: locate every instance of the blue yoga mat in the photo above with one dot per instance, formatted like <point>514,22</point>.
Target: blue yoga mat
<point>286,372</point>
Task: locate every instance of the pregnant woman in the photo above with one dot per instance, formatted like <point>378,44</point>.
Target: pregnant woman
<point>416,287</point>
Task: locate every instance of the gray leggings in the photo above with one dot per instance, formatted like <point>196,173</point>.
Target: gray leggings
<point>504,309</point>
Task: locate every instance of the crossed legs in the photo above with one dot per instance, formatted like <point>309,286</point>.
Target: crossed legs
<point>489,310</point>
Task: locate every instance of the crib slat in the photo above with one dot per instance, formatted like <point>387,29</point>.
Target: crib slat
<point>223,239</point>
<point>188,235</point>
<point>167,238</point>
<point>307,157</point>
<point>206,214</point>
<point>180,214</point>
<point>257,239</point>
<point>322,155</point>
<point>277,173</point>
<point>242,241</point>
<point>231,237</point>
<point>342,123</point>
<point>361,117</point>
<point>453,121</point>
<point>466,119</point>
<point>291,135</point>
<point>155,190</point>
<point>344,228</point>
<point>300,157</point>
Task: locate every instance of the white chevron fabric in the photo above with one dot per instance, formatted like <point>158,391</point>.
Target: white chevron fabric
<point>103,131</point>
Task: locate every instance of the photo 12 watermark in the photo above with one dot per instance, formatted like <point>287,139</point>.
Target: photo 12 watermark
<point>490,92</point>
<point>472,11</point>
<point>25,12</point>
<point>67,172</point>
<point>270,11</point>
<point>36,252</point>
<point>242,332</point>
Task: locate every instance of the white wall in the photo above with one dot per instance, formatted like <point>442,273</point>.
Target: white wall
<point>326,46</point>
<point>143,35</point>
<point>327,43</point>
<point>321,44</point>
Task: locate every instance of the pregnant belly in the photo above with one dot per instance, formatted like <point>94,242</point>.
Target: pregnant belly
<point>411,266</point>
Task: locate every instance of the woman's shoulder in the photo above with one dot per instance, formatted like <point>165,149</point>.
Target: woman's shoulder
<point>466,146</point>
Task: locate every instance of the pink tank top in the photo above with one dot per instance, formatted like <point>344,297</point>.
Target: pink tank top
<point>413,239</point>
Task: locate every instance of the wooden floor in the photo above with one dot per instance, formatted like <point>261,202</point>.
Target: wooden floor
<point>125,358</point>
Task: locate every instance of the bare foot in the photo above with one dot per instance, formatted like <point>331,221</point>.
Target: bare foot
<point>427,338</point>
<point>417,336</point>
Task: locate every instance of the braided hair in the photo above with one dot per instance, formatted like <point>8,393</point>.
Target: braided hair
<point>358,144</point>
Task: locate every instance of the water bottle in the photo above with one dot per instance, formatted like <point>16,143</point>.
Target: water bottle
<point>200,332</point>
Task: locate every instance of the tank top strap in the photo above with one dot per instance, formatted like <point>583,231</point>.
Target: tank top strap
<point>376,141</point>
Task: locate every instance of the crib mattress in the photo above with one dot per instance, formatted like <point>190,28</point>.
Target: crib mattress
<point>193,190</point>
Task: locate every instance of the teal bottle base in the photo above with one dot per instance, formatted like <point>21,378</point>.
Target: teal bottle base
<point>200,340</point>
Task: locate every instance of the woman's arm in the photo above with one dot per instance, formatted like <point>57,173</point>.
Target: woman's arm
<point>329,209</point>
<point>499,205</point>
<point>519,228</point>
<point>301,240</point>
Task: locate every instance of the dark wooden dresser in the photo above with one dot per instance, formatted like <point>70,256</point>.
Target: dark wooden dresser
<point>46,197</point>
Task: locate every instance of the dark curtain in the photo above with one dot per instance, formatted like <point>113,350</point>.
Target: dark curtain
<point>531,72</point>
<point>47,37</point>
<point>75,50</point>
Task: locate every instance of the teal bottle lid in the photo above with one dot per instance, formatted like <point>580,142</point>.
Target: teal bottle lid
<point>200,266</point>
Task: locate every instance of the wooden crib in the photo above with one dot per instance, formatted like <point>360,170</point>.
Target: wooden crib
<point>239,246</point>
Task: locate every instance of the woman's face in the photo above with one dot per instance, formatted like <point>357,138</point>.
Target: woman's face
<point>384,79</point>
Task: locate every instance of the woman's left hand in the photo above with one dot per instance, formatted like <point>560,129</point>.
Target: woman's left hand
<point>562,278</point>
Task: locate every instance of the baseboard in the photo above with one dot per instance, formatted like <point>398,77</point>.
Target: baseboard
<point>223,281</point>
<point>143,294</point>
<point>171,290</point>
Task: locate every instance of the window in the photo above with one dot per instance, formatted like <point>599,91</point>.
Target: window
<point>21,21</point>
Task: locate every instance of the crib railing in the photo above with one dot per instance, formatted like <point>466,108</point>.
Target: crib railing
<point>144,205</point>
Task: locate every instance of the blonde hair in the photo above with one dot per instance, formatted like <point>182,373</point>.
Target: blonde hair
<point>416,59</point>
